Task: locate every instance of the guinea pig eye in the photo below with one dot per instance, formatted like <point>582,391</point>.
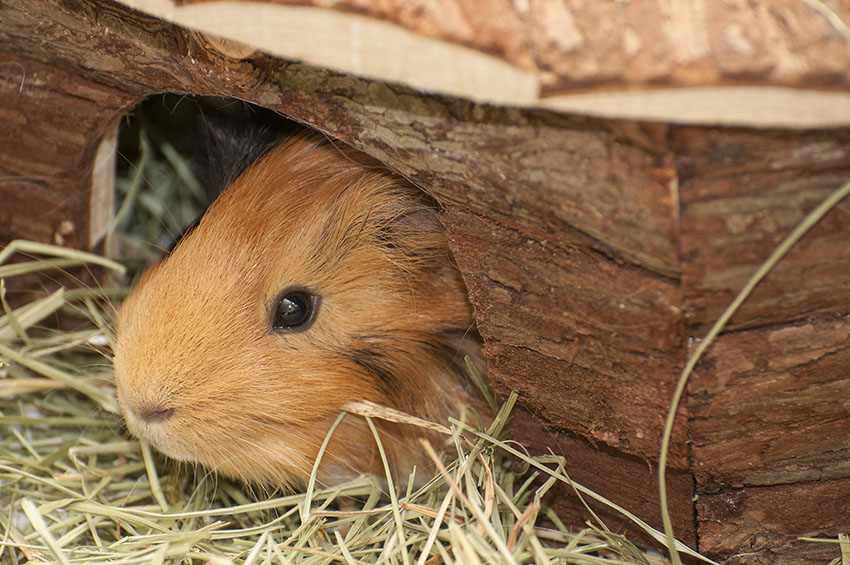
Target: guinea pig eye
<point>293,310</point>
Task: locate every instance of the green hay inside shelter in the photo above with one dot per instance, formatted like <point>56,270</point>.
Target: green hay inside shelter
<point>75,488</point>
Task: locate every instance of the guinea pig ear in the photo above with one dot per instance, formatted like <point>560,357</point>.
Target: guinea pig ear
<point>412,229</point>
<point>235,135</point>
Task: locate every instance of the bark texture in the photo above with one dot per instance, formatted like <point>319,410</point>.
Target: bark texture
<point>591,44</point>
<point>761,525</point>
<point>595,251</point>
<point>52,121</point>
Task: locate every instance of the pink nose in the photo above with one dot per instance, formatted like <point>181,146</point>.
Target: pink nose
<point>155,416</point>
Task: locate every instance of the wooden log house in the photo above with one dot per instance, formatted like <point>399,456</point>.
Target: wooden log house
<point>611,174</point>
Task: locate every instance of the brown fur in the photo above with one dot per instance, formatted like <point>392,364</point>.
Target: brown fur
<point>392,327</point>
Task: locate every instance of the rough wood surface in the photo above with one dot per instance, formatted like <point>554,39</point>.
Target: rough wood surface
<point>589,43</point>
<point>559,322</point>
<point>593,249</point>
<point>713,63</point>
<point>761,525</point>
<point>631,482</point>
<point>741,193</point>
<point>52,121</point>
<point>770,406</point>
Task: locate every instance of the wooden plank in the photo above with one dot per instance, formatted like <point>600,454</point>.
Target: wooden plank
<point>555,172</point>
<point>52,122</point>
<point>741,193</point>
<point>565,45</point>
<point>770,406</point>
<point>592,346</point>
<point>761,525</point>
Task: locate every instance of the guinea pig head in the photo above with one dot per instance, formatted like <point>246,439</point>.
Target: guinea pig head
<point>317,278</point>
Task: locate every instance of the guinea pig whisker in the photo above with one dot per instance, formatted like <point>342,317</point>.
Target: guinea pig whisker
<point>258,455</point>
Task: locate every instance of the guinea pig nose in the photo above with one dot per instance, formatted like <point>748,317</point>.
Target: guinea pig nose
<point>155,416</point>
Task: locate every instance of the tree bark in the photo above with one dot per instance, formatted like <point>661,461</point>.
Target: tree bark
<point>594,250</point>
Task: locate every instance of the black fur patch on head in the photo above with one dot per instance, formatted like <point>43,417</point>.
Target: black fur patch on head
<point>233,136</point>
<point>236,135</point>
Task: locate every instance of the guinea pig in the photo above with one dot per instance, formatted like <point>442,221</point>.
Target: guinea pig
<point>316,278</point>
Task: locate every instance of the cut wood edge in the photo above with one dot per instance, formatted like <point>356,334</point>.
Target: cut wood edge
<point>102,192</point>
<point>357,45</point>
<point>759,106</point>
<point>380,50</point>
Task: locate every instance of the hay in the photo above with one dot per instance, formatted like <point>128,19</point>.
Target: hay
<point>74,488</point>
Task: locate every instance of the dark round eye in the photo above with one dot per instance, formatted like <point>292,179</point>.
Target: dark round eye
<point>293,310</point>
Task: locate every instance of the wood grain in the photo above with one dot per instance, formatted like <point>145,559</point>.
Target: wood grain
<point>761,525</point>
<point>559,323</point>
<point>631,482</point>
<point>772,405</point>
<point>741,193</point>
<point>51,121</point>
<point>552,173</point>
<point>585,43</point>
<point>730,63</point>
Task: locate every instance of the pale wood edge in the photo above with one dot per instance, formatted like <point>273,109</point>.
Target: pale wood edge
<point>758,106</point>
<point>357,45</point>
<point>102,195</point>
<point>376,49</point>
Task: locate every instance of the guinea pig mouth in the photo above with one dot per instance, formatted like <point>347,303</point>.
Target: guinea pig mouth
<point>147,414</point>
<point>153,426</point>
<point>154,416</point>
<point>150,422</point>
